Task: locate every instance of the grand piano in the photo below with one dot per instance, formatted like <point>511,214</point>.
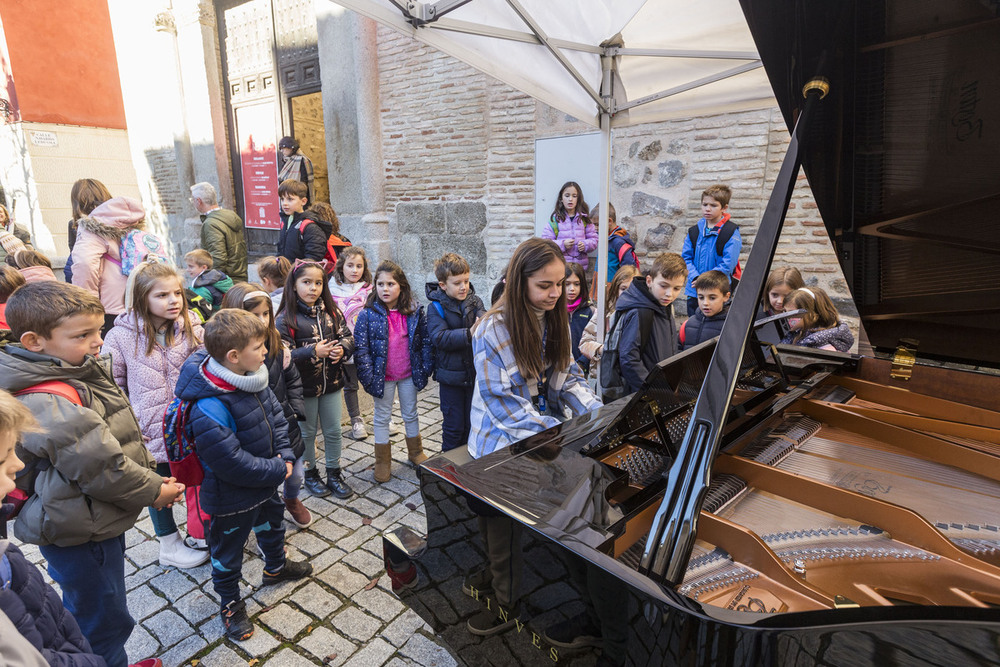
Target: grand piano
<point>757,504</point>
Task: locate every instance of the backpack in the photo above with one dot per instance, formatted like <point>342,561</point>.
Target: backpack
<point>184,463</point>
<point>612,381</point>
<point>26,478</point>
<point>133,249</point>
<point>728,229</point>
<point>198,305</point>
<point>625,250</point>
<point>333,244</point>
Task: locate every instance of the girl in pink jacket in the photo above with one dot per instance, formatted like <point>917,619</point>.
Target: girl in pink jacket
<point>148,345</point>
<point>350,285</point>
<point>570,226</point>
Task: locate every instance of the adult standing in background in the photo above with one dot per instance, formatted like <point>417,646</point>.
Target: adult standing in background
<point>296,165</point>
<point>86,195</point>
<point>13,237</point>
<point>221,234</point>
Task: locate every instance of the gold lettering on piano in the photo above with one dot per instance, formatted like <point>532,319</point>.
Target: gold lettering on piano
<point>505,616</point>
<point>757,600</point>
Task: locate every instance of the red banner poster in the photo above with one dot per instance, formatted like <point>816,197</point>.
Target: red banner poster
<point>255,131</point>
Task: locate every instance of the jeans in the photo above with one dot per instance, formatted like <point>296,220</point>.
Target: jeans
<point>92,578</point>
<point>407,405</point>
<point>328,408</point>
<point>456,409</point>
<point>294,482</point>
<point>351,391</point>
<point>228,535</point>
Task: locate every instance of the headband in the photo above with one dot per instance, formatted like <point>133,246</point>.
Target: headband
<point>322,263</point>
<point>808,291</point>
<point>255,294</point>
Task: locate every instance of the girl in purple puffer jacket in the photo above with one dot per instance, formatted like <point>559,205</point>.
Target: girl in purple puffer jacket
<point>570,226</point>
<point>148,345</point>
<point>820,327</point>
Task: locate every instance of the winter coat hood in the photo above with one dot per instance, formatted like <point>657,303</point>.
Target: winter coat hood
<point>37,274</point>
<point>638,296</point>
<point>114,218</point>
<point>434,292</point>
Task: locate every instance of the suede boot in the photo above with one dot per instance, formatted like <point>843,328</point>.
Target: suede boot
<point>383,462</point>
<point>335,482</point>
<point>415,450</point>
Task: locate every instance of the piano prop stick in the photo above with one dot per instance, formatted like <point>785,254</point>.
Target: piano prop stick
<point>672,535</point>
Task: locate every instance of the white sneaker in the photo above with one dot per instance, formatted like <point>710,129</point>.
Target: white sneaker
<point>173,552</point>
<point>395,428</point>
<point>358,430</point>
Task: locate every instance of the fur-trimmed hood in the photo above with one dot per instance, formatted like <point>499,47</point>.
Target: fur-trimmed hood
<point>111,232</point>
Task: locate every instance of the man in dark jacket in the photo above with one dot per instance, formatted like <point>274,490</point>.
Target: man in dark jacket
<point>713,306</point>
<point>241,438</point>
<point>302,235</point>
<point>454,309</point>
<point>221,234</point>
<point>648,333</point>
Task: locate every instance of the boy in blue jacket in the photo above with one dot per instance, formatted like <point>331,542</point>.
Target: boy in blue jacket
<point>241,438</point>
<point>453,311</point>
<point>714,244</point>
<point>713,306</point>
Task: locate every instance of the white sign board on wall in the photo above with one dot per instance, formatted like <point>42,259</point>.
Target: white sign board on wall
<point>561,159</point>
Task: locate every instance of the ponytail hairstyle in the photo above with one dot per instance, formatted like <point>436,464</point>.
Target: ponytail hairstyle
<point>275,269</point>
<point>623,276</point>
<point>820,311</point>
<point>290,298</point>
<point>559,212</point>
<point>514,307</point>
<point>140,285</point>
<point>405,304</point>
<point>241,295</point>
<point>352,251</point>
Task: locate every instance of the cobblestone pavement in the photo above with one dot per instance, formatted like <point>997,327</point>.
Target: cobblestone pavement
<point>345,614</point>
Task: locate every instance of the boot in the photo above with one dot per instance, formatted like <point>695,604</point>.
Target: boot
<point>173,552</point>
<point>383,462</point>
<point>314,484</point>
<point>335,482</point>
<point>301,516</point>
<point>415,450</point>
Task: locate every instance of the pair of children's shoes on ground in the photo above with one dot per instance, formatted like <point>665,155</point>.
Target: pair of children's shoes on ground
<point>235,619</point>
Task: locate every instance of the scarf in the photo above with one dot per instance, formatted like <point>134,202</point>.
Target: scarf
<point>252,383</point>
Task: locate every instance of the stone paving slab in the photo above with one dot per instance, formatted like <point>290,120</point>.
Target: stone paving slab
<point>345,614</point>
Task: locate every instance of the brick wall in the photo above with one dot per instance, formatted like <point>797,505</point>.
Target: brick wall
<point>451,132</point>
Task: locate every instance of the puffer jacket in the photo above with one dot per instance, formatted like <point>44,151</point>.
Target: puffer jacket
<point>95,253</point>
<point>371,335</point>
<point>838,337</point>
<point>638,357</point>
<point>148,379</point>
<point>350,299</point>
<point>313,324</point>
<point>284,380</point>
<point>212,286</point>
<point>241,439</point>
<point>98,473</point>
<point>450,331</point>
<point>293,243</point>
<point>37,612</point>
<point>699,328</point>
<point>576,228</point>
<point>222,236</point>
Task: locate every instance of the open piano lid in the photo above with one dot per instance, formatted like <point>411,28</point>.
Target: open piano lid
<point>903,158</point>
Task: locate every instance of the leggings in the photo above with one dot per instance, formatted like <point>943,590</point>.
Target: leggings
<point>328,408</point>
<point>351,391</point>
<point>407,405</point>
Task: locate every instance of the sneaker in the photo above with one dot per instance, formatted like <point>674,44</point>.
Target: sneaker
<point>490,622</point>
<point>481,581</point>
<point>575,632</point>
<point>298,512</point>
<point>237,623</point>
<point>149,662</point>
<point>174,552</point>
<point>395,428</point>
<point>358,430</point>
<point>294,569</point>
<point>195,543</point>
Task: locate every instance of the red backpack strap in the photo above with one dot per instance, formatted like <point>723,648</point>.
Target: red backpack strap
<point>56,387</point>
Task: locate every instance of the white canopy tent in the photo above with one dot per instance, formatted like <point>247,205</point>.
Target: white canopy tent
<point>608,63</point>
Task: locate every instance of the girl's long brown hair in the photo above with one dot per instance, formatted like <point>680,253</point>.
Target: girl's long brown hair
<point>529,258</point>
<point>290,298</point>
<point>347,253</point>
<point>820,311</point>
<point>405,304</point>
<point>236,298</point>
<point>783,275</point>
<point>146,276</point>
<point>623,275</point>
<point>559,212</point>
<point>86,195</point>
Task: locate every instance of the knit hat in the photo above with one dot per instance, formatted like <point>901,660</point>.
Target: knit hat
<point>10,243</point>
<point>119,212</point>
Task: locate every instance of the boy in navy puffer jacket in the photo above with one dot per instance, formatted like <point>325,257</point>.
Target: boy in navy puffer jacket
<point>454,310</point>
<point>241,437</point>
<point>713,306</point>
<point>32,606</point>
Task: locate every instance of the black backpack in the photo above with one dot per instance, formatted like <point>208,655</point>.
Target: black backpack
<point>611,381</point>
<point>728,229</point>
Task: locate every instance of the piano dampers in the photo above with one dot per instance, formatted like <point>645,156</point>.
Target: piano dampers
<point>723,490</point>
<point>771,447</point>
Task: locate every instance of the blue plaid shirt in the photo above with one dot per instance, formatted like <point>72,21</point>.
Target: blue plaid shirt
<point>503,408</point>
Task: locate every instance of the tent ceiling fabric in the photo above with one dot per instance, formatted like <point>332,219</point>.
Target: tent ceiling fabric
<point>694,44</point>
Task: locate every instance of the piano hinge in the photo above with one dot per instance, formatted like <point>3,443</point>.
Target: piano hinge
<point>841,602</point>
<point>903,359</point>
